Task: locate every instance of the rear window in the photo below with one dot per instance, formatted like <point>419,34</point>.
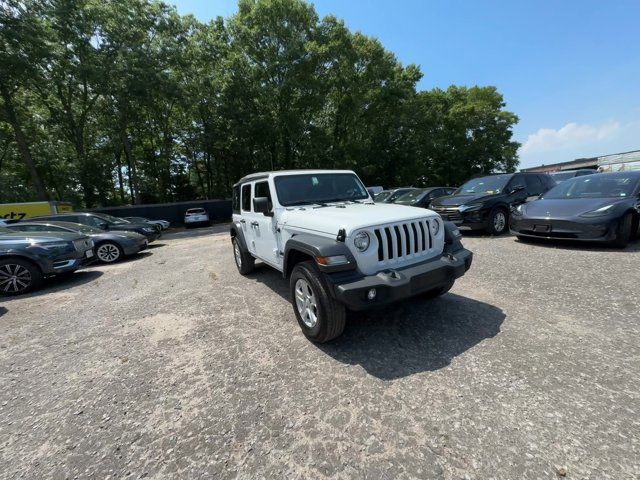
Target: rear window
<point>195,210</point>
<point>235,202</point>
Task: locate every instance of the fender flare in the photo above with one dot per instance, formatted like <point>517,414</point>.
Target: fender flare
<point>318,246</point>
<point>236,232</point>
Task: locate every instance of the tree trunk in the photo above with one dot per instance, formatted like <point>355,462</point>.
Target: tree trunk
<point>120,179</point>
<point>21,140</point>
<point>133,176</point>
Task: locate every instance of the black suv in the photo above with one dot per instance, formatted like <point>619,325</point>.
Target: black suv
<point>26,258</point>
<point>484,203</point>
<point>105,222</point>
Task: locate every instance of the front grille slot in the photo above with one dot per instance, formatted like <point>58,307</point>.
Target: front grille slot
<point>404,240</point>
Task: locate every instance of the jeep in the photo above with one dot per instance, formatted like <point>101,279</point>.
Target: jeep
<point>338,248</point>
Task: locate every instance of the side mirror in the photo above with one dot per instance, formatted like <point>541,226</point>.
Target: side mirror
<point>103,225</point>
<point>517,188</point>
<point>261,205</point>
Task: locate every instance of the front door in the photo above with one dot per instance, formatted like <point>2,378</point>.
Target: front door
<point>264,228</point>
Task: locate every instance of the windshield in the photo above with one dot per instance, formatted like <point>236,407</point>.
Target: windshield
<point>319,188</point>
<point>561,176</point>
<point>382,196</point>
<point>595,186</point>
<point>112,219</point>
<point>489,185</point>
<point>411,197</point>
<point>5,230</point>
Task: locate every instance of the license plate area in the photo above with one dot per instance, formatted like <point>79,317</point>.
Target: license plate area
<point>88,253</point>
<point>542,228</point>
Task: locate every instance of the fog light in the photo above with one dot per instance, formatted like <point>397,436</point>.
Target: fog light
<point>371,294</point>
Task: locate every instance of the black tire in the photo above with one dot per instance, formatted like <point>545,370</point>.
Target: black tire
<point>498,228</point>
<point>623,231</point>
<point>244,260</point>
<point>438,292</point>
<point>108,252</point>
<point>330,314</point>
<point>27,275</point>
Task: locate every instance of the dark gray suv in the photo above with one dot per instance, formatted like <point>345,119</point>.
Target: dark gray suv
<point>25,259</point>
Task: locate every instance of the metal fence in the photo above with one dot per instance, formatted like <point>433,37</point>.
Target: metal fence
<point>219,210</point>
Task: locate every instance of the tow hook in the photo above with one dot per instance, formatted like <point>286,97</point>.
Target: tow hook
<point>392,274</point>
<point>450,257</point>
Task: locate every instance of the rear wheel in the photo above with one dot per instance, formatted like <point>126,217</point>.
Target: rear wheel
<point>18,276</point>
<point>109,252</point>
<point>623,231</point>
<point>498,221</point>
<point>319,315</point>
<point>244,260</point>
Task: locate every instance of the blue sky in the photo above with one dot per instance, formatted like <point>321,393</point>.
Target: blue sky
<point>569,69</point>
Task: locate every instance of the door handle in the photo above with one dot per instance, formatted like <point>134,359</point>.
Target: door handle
<point>254,224</point>
<point>243,221</point>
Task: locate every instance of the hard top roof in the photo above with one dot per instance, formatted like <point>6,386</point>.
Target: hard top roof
<point>261,175</point>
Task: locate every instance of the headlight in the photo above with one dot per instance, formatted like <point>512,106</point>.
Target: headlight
<point>54,245</point>
<point>470,208</point>
<point>435,227</point>
<point>599,212</point>
<point>361,241</point>
<point>519,210</point>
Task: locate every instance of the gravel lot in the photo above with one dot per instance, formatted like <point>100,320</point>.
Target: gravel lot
<point>172,365</point>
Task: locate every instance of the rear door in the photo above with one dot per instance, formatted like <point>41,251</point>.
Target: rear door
<point>264,227</point>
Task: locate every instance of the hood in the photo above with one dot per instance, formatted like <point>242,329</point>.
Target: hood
<point>40,237</point>
<point>124,234</point>
<point>567,207</point>
<point>130,226</point>
<point>351,217</point>
<point>457,200</point>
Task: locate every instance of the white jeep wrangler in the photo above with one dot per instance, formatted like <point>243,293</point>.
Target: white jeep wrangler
<point>339,249</point>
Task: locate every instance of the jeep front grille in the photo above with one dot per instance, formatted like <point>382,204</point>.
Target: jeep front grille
<point>403,240</point>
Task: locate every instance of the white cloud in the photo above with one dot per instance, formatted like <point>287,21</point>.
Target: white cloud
<point>570,136</point>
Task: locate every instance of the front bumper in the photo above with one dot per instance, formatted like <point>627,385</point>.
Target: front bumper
<point>130,248</point>
<point>592,230</point>
<point>394,285</point>
<point>67,262</point>
<point>473,220</point>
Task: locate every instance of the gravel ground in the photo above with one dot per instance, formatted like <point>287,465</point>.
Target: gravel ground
<point>172,365</point>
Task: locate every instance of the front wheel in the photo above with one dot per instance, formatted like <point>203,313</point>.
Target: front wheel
<point>623,231</point>
<point>109,252</point>
<point>18,276</point>
<point>319,315</point>
<point>498,221</point>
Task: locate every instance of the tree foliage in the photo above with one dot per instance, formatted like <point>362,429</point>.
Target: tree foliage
<point>125,101</point>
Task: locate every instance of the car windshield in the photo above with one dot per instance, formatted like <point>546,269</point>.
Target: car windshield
<point>489,185</point>
<point>319,188</point>
<point>5,230</point>
<point>411,197</point>
<point>112,219</point>
<point>561,176</point>
<point>382,196</point>
<point>595,186</point>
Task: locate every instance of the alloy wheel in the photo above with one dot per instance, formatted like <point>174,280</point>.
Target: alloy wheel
<point>14,278</point>
<point>108,253</point>
<point>499,221</point>
<point>237,254</point>
<point>306,303</point>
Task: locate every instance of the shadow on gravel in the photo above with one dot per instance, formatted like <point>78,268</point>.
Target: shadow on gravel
<point>415,336</point>
<point>61,282</point>
<point>634,246</point>
<point>151,246</point>
<point>217,229</point>
<point>3,311</point>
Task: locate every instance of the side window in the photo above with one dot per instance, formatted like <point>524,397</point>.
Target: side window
<point>261,189</point>
<point>93,221</point>
<point>516,181</point>
<point>246,197</point>
<point>235,199</point>
<point>534,186</point>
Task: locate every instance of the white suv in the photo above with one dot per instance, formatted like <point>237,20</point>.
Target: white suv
<point>338,248</point>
